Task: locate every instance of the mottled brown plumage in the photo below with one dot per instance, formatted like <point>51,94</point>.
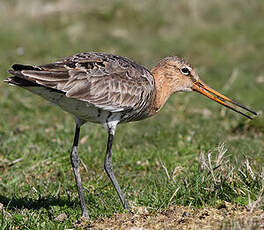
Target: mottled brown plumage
<point>110,89</point>
<point>109,82</point>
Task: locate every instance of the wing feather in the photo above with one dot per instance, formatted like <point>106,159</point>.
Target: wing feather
<point>109,82</point>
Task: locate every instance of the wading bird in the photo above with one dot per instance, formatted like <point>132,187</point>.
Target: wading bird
<point>109,89</point>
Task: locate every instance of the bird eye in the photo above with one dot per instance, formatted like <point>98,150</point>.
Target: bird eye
<point>185,71</point>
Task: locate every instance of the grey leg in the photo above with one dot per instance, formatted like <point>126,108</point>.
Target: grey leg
<point>75,161</point>
<point>109,169</point>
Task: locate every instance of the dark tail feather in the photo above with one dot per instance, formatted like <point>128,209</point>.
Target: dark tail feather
<point>19,67</point>
<point>19,79</point>
<point>19,82</point>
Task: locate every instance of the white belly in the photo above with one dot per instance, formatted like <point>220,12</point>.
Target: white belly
<point>82,110</point>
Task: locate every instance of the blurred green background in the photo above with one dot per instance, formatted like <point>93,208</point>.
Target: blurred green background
<point>223,40</point>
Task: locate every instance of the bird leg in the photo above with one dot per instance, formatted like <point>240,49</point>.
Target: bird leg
<point>75,161</point>
<point>108,166</point>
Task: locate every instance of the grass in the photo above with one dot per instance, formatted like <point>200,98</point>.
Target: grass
<point>173,159</point>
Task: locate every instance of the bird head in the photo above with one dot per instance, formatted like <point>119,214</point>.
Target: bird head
<point>179,76</point>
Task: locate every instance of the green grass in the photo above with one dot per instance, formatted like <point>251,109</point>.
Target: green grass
<point>220,39</point>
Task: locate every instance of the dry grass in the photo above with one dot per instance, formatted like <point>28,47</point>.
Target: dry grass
<point>225,216</point>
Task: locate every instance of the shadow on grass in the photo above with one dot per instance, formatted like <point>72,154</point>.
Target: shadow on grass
<point>29,203</point>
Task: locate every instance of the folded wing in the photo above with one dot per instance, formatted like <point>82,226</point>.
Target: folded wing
<point>109,82</point>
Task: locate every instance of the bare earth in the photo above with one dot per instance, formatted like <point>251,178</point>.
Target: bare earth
<point>226,216</point>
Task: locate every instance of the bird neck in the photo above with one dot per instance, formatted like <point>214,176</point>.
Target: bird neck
<point>162,90</point>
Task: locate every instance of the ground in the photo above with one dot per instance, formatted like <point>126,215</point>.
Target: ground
<point>225,216</point>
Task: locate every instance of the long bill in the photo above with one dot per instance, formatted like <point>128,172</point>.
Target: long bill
<point>202,88</point>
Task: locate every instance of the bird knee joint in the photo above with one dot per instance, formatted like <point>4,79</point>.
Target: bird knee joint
<point>108,166</point>
<point>75,159</point>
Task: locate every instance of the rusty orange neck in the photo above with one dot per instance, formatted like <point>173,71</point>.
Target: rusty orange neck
<point>162,92</point>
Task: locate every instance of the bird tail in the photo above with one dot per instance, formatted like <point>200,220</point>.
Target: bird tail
<point>18,79</point>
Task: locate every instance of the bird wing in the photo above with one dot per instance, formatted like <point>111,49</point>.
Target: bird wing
<point>110,82</point>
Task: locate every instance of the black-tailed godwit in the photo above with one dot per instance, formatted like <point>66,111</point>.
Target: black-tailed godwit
<point>109,89</point>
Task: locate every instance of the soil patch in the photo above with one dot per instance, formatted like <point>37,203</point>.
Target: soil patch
<point>226,216</point>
